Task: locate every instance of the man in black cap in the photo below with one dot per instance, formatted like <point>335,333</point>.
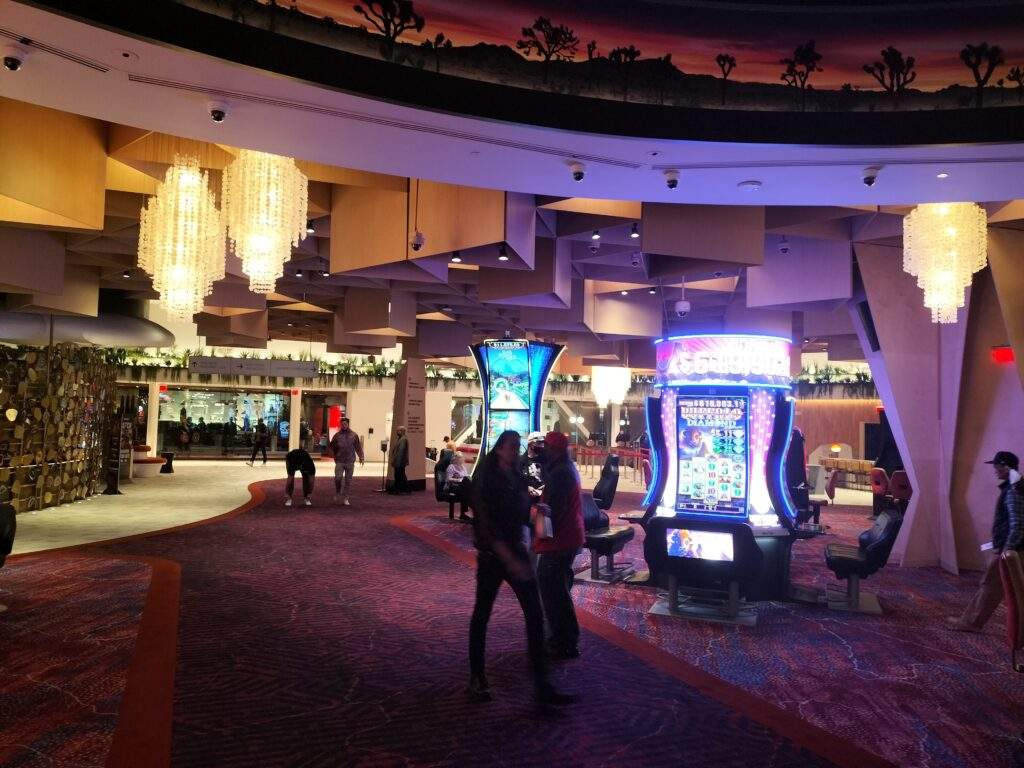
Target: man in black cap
<point>1007,533</point>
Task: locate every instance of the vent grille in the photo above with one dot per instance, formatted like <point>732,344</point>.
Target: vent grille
<point>66,55</point>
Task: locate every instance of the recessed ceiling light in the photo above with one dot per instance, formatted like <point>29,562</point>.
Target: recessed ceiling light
<point>446,309</point>
<point>635,231</point>
<point>596,235</point>
<point>942,175</point>
<point>750,185</point>
<point>456,257</point>
<point>502,253</point>
<point>291,325</point>
<point>624,293</point>
<point>325,273</point>
<point>653,153</point>
<point>298,273</point>
<point>652,291</point>
<point>310,229</point>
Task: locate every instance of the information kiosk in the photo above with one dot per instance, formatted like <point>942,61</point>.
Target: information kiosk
<point>719,433</point>
<point>513,376</point>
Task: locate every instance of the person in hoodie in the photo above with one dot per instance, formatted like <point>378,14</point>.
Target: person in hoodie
<point>561,501</point>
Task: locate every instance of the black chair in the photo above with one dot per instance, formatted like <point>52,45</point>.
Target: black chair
<point>856,563</point>
<point>440,470</point>
<point>8,527</point>
<point>604,540</point>
<point>604,490</point>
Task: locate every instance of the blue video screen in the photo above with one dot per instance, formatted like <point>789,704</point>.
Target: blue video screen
<point>499,421</point>
<point>508,368</point>
<point>713,439</point>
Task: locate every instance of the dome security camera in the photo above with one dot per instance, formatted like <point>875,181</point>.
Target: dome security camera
<point>218,111</point>
<point>418,241</point>
<point>682,308</point>
<point>672,178</point>
<point>784,246</point>
<point>870,176</point>
<point>578,170</point>
<point>14,57</point>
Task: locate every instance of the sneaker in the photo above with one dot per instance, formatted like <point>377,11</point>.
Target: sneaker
<point>249,463</point>
<point>346,503</point>
<point>307,502</point>
<point>548,694</point>
<point>287,502</point>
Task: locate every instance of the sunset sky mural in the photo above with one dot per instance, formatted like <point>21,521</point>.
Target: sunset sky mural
<point>757,34</point>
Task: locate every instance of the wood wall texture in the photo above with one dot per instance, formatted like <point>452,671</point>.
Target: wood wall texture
<point>835,421</point>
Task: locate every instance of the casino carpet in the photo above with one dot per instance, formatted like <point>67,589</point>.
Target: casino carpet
<point>336,636</point>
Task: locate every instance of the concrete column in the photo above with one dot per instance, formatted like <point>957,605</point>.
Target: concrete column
<point>152,417</point>
<point>294,430</point>
<point>615,411</point>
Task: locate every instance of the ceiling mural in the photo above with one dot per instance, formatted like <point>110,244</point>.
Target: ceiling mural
<point>826,56</point>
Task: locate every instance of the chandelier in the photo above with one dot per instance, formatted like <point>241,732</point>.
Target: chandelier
<point>609,384</point>
<point>265,210</point>
<point>181,238</point>
<point>944,244</point>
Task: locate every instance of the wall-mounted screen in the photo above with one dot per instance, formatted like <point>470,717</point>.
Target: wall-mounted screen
<point>699,545</point>
<point>499,421</point>
<point>508,386</point>
<point>713,438</point>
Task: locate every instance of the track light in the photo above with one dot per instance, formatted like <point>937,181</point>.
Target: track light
<point>298,273</point>
<point>596,235</point>
<point>310,230</point>
<point>652,291</point>
<point>456,257</point>
<point>502,253</point>
<point>126,274</point>
<point>635,231</point>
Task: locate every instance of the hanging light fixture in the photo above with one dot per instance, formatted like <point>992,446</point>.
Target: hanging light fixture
<point>609,384</point>
<point>265,199</point>
<point>944,244</point>
<point>181,238</point>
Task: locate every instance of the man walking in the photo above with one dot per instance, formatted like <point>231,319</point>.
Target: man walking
<point>399,460</point>
<point>1007,534</point>
<point>345,447</point>
<point>260,438</point>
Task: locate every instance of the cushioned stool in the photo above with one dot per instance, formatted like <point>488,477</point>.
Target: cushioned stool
<point>607,543</point>
<point>856,563</point>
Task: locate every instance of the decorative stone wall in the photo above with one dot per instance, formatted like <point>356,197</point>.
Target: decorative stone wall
<point>55,409</point>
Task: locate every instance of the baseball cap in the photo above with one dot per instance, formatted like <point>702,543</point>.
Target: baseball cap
<point>556,441</point>
<point>1005,458</point>
<point>535,437</point>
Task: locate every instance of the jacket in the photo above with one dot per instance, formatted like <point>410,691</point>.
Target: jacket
<point>562,494</point>
<point>346,447</point>
<point>400,452</point>
<point>502,509</point>
<point>299,460</point>
<point>1008,525</point>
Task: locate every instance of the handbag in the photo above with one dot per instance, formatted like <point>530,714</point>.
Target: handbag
<point>542,528</point>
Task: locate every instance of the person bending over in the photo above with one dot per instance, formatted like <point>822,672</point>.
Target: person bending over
<point>554,566</point>
<point>299,461</point>
<point>458,484</point>
<point>345,447</point>
<point>502,509</point>
<point>1007,534</point>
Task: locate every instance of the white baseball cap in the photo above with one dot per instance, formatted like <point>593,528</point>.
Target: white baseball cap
<point>534,437</point>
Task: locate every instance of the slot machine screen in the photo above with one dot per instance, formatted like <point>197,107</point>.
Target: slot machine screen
<point>713,434</point>
<point>699,545</point>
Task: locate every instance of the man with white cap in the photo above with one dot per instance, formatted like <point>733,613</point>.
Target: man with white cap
<point>532,463</point>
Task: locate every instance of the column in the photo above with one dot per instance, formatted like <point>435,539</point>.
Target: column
<point>152,417</point>
<point>295,415</point>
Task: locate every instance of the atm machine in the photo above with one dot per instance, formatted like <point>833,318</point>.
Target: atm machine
<point>718,506</point>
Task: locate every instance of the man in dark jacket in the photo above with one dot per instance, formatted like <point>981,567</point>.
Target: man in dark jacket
<point>1007,534</point>
<point>399,460</point>
<point>260,438</point>
<point>299,461</point>
<point>554,566</point>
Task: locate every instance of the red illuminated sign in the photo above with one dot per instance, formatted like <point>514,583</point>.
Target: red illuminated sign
<point>1002,354</point>
<point>163,387</point>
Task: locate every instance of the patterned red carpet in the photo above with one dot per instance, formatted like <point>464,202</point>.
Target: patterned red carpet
<point>66,642</point>
<point>332,637</point>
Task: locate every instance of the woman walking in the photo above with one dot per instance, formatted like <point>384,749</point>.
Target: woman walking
<point>502,509</point>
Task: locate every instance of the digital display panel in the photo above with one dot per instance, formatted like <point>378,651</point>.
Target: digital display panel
<point>699,545</point>
<point>499,421</point>
<point>726,359</point>
<point>713,438</point>
<point>508,368</point>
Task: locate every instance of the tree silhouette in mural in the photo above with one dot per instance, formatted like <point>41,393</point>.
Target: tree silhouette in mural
<point>1017,76</point>
<point>623,59</point>
<point>894,73</point>
<point>391,18</point>
<point>799,68</point>
<point>592,53</point>
<point>981,57</point>
<point>548,42</point>
<point>440,44</point>
<point>726,63</point>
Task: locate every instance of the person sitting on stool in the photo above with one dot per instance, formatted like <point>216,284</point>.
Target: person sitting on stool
<point>1007,534</point>
<point>458,484</point>
<point>300,461</point>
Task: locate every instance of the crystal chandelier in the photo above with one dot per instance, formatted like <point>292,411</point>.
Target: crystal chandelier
<point>265,210</point>
<point>944,244</point>
<point>609,384</point>
<point>181,238</point>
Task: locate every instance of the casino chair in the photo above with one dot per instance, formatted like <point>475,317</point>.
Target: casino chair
<point>856,563</point>
<point>900,490</point>
<point>1011,571</point>
<point>604,540</point>
<point>879,490</point>
<point>8,527</point>
<point>604,489</point>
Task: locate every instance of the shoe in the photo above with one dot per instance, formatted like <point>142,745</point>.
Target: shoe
<point>249,463</point>
<point>264,462</point>
<point>478,688</point>
<point>287,502</point>
<point>547,694</point>
<point>307,502</point>
<point>346,503</point>
<point>337,498</point>
<point>956,625</point>
<point>465,518</point>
